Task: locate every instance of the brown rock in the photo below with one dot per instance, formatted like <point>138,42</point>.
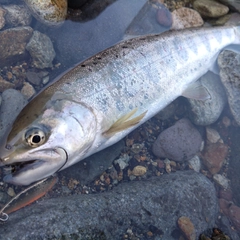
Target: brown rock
<point>234,214</point>
<point>224,206</point>
<point>187,228</point>
<point>2,19</point>
<point>214,155</point>
<point>186,18</point>
<point>5,84</point>
<point>12,44</point>
<point>226,194</point>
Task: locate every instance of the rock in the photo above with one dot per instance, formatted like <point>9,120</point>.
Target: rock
<point>12,103</point>
<point>90,168</point>
<point>41,50</point>
<point>12,45</point>
<point>4,85</point>
<point>186,18</point>
<point>28,90</point>
<point>229,63</point>
<point>122,161</point>
<point>210,8</point>
<point>226,194</point>
<point>48,12</point>
<point>187,228</point>
<point>214,155</point>
<point>195,163</point>
<point>234,214</point>
<point>221,180</point>
<point>153,203</point>
<point>33,77</point>
<point>207,112</point>
<point>2,19</point>
<point>212,135</point>
<point>138,171</point>
<point>179,142</point>
<point>17,15</point>
<point>232,4</point>
<point>164,16</point>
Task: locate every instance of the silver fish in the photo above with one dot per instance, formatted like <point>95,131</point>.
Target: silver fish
<point>101,100</point>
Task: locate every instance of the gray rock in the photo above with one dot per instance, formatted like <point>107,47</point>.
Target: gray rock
<point>2,18</point>
<point>207,112</point>
<point>155,203</point>
<point>229,63</point>
<point>41,50</point>
<point>12,103</point>
<point>179,142</point>
<point>90,168</point>
<point>232,4</point>
<point>17,15</point>
<point>210,8</point>
<point>12,45</point>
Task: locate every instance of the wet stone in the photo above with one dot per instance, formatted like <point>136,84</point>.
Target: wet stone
<point>187,228</point>
<point>41,50</point>
<point>179,142</point>
<point>4,85</point>
<point>28,90</point>
<point>207,112</point>
<point>235,4</point>
<point>111,213</point>
<point>12,45</point>
<point>17,15</point>
<point>210,8</point>
<point>229,63</point>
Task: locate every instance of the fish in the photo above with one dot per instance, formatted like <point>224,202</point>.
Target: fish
<point>99,101</point>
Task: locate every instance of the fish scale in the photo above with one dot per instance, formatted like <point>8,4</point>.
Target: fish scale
<point>102,99</point>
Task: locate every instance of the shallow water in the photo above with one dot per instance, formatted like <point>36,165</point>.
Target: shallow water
<point>86,33</point>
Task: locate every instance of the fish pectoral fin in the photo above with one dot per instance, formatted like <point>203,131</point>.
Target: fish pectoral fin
<point>125,122</point>
<point>197,91</point>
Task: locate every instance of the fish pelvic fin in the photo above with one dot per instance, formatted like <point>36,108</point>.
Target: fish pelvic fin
<point>125,122</point>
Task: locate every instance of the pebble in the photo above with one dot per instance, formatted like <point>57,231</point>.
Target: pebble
<point>167,164</point>
<point>33,77</point>
<point>122,161</point>
<point>41,50</point>
<point>12,45</point>
<point>214,155</point>
<point>195,163</point>
<point>221,180</point>
<point>17,15</point>
<point>48,12</point>
<point>212,135</point>
<point>2,19</point>
<point>187,228</point>
<point>226,194</point>
<point>138,171</point>
<point>28,90</point>
<point>179,142</point>
<point>210,8</point>
<point>207,112</point>
<point>4,85</point>
<point>229,63</point>
<point>233,3</point>
<point>11,192</point>
<point>186,18</point>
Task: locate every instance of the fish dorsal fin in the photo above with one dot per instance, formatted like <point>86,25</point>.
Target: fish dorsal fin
<point>125,122</point>
<point>197,91</point>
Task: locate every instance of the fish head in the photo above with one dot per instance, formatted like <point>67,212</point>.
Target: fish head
<point>53,139</point>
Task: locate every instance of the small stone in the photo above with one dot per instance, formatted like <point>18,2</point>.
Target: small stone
<point>233,3</point>
<point>221,180</point>
<point>28,90</point>
<point>2,19</point>
<point>138,171</point>
<point>234,214</point>
<point>164,17</point>
<point>48,12</point>
<point>137,147</point>
<point>160,163</point>
<point>41,50</point>
<point>226,194</point>
<point>167,163</point>
<point>33,78</point>
<point>17,15</point>
<point>4,85</point>
<point>212,135</point>
<point>186,18</point>
<point>179,142</point>
<point>122,161</point>
<point>210,8</point>
<point>195,163</point>
<point>214,155</point>
<point>187,228</point>
<point>11,192</point>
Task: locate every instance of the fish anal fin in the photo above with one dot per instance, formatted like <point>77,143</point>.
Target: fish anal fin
<point>197,91</point>
<point>125,122</point>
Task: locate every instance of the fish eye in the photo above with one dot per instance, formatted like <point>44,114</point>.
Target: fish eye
<point>35,137</point>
